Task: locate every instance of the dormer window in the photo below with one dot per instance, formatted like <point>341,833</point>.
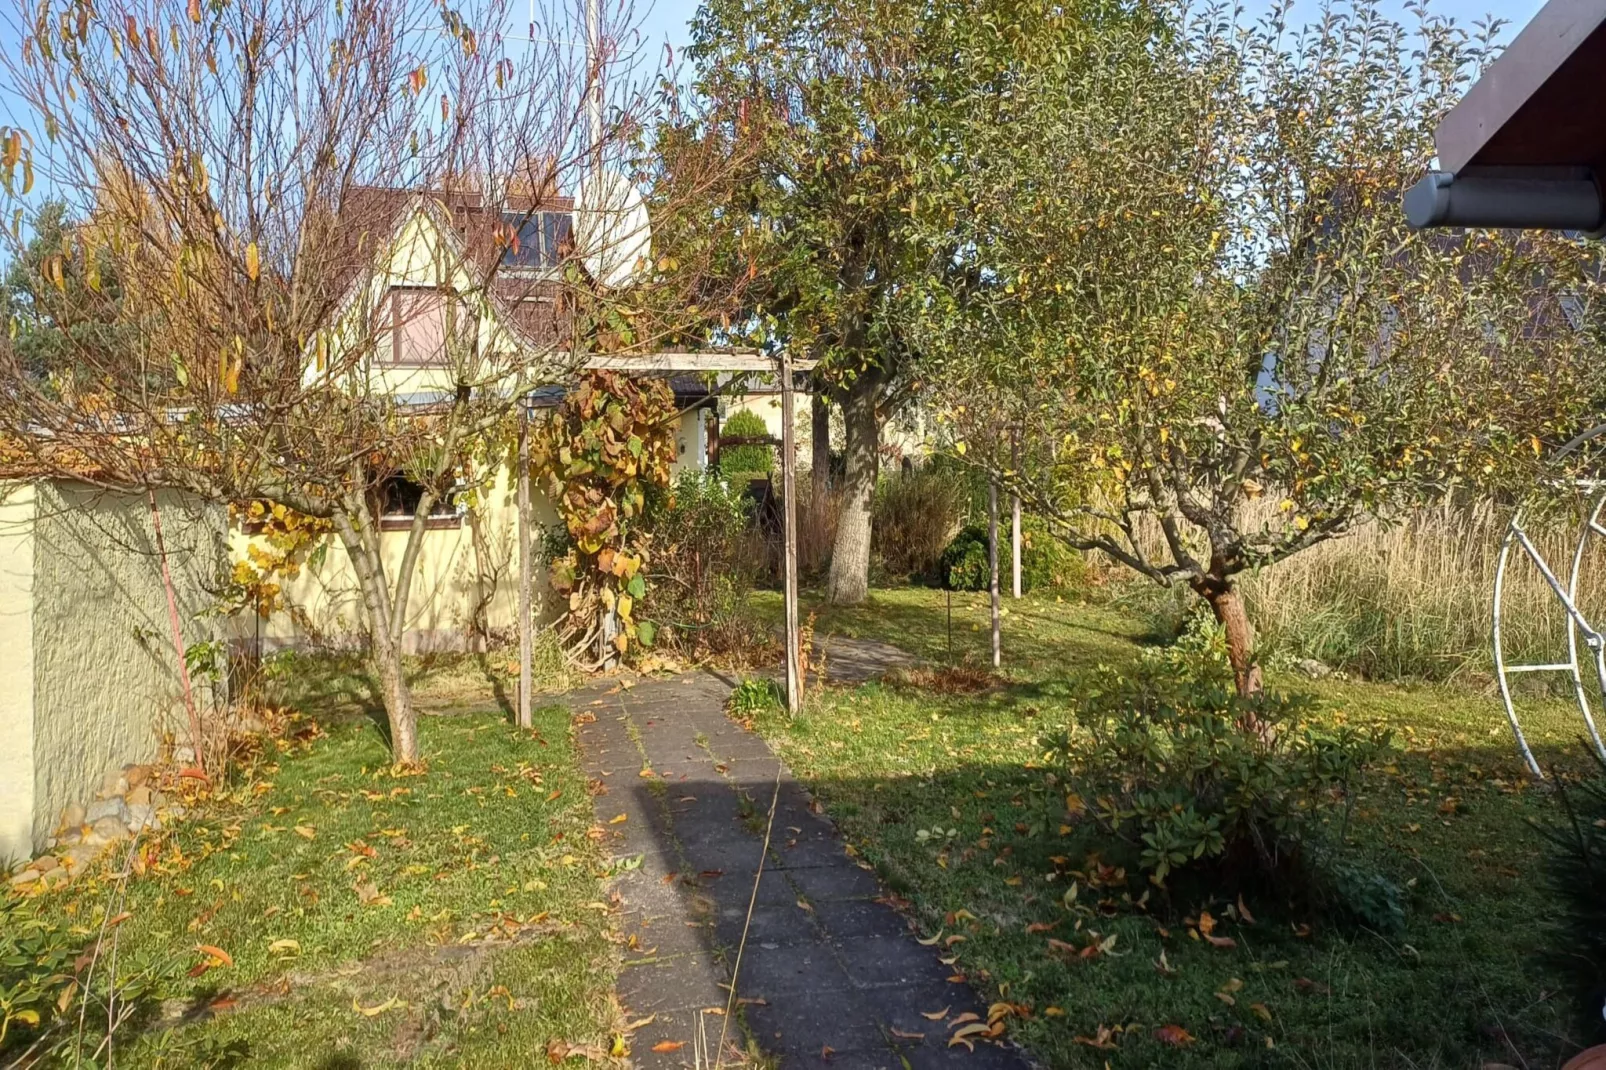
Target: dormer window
<point>544,239</point>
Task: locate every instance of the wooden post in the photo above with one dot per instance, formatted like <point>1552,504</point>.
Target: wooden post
<point>992,568</point>
<point>794,668</point>
<point>525,638</point>
<point>1014,518</point>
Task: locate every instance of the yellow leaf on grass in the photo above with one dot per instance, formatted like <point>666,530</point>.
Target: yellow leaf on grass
<point>213,952</point>
<point>380,1008</point>
<point>306,832</point>
<point>285,947</point>
<point>1053,1012</point>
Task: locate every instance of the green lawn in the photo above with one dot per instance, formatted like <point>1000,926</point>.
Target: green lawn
<point>1448,816</point>
<point>372,919</point>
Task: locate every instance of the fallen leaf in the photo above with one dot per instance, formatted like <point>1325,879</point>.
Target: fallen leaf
<point>1104,1039</point>
<point>668,1045</point>
<point>1053,1012</point>
<point>935,1016</point>
<point>1040,926</point>
<point>620,819</point>
<point>1261,1011</point>
<point>907,1036</point>
<point>968,1016</point>
<point>1174,1035</point>
<point>1243,912</point>
<point>1221,941</point>
<point>932,941</point>
<point>373,1012</point>
<point>285,947</point>
<point>220,957</point>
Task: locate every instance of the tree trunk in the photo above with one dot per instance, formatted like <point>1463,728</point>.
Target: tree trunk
<point>384,642</point>
<point>397,696</point>
<point>820,444</point>
<point>849,579</point>
<point>1228,607</point>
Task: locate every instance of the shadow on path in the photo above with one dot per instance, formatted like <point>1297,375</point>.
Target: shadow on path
<point>830,974</point>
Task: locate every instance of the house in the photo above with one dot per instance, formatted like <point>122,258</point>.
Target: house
<point>90,678</point>
<point>418,248</point>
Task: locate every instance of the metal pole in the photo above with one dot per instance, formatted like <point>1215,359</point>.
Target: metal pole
<point>1014,513</point>
<point>992,567</point>
<point>794,668</point>
<point>524,568</point>
<point>594,84</point>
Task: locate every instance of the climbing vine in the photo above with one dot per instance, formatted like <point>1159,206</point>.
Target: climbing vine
<point>286,541</point>
<point>600,451</point>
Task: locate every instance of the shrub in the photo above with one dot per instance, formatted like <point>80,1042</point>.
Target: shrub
<point>1575,867</point>
<point>754,695</point>
<point>1188,778</point>
<point>47,1015</point>
<point>739,464</point>
<point>1047,564</point>
<point>704,559</point>
<point>915,513</point>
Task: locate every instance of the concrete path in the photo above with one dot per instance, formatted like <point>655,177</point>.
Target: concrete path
<point>830,976</point>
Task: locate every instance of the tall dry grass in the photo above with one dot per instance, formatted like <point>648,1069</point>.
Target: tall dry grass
<point>1412,599</point>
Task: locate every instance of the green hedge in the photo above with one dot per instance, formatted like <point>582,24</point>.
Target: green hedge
<point>1046,562</point>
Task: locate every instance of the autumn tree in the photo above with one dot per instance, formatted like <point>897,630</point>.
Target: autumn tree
<point>1206,319</point>
<point>258,176</point>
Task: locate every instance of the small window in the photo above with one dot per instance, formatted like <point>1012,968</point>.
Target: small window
<point>544,239</point>
<point>398,501</point>
<point>412,330</point>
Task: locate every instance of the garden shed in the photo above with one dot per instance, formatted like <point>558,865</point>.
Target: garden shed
<point>89,679</point>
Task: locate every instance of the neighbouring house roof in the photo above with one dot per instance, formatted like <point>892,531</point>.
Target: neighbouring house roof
<point>1526,146</point>
<point>525,290</point>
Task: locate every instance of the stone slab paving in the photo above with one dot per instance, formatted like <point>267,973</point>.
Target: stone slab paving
<point>828,973</point>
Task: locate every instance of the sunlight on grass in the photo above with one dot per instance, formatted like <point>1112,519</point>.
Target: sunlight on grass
<point>461,901</point>
<point>944,794</point>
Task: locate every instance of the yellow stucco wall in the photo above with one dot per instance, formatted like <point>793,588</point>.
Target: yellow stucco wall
<point>16,683</point>
<point>462,570</point>
<point>468,569</point>
<point>90,678</point>
<point>105,673</point>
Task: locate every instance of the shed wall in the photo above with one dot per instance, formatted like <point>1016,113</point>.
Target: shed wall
<point>16,674</point>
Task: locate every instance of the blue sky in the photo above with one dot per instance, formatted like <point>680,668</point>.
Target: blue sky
<point>666,21</point>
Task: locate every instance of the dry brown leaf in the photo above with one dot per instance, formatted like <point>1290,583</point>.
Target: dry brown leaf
<point>668,1045</point>
<point>1174,1035</point>
<point>935,1016</point>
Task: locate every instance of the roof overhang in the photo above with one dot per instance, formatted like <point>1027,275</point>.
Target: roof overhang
<point>1526,147</point>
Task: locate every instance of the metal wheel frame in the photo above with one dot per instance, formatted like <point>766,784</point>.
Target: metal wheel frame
<point>1577,624</point>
